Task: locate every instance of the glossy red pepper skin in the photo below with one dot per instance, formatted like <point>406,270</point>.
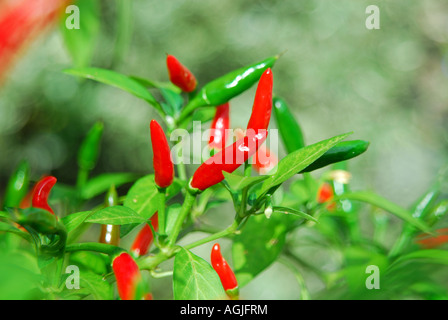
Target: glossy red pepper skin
<point>28,199</point>
<point>128,277</point>
<point>144,238</point>
<point>41,193</point>
<point>228,160</point>
<point>225,273</point>
<point>264,160</point>
<point>220,123</point>
<point>163,165</point>
<point>262,108</point>
<point>180,75</point>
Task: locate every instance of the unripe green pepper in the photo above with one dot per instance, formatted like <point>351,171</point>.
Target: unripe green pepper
<point>18,185</point>
<point>228,86</point>
<point>89,150</point>
<point>344,150</point>
<point>289,128</point>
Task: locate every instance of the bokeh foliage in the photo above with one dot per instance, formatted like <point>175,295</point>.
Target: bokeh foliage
<point>387,85</point>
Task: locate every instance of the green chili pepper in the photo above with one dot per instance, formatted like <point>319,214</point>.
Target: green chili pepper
<point>289,128</point>
<point>342,151</point>
<point>228,86</point>
<point>89,150</point>
<point>17,185</point>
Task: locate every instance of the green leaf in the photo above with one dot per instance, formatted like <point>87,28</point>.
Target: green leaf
<point>66,195</point>
<point>298,160</point>
<point>19,276</point>
<point>295,212</point>
<point>6,227</point>
<point>239,182</point>
<point>39,219</point>
<point>301,191</point>
<point>427,256</point>
<point>96,285</point>
<point>4,214</point>
<point>386,205</point>
<point>257,246</point>
<point>90,261</point>
<point>118,80</point>
<point>101,183</point>
<point>116,215</point>
<point>81,42</point>
<point>142,198</point>
<point>195,279</point>
<point>173,100</point>
<point>156,84</point>
<point>74,220</point>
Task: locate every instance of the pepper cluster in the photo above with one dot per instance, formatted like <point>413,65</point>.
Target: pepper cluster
<point>224,158</point>
<point>230,158</point>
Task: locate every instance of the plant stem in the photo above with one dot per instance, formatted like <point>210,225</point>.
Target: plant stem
<point>151,262</point>
<point>187,110</point>
<point>202,202</point>
<point>161,209</point>
<point>181,170</point>
<point>243,206</point>
<point>229,230</point>
<point>304,293</point>
<point>186,208</point>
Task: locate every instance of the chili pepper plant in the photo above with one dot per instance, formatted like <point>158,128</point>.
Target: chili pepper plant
<point>283,211</point>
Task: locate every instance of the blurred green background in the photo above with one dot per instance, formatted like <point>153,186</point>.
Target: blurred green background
<point>388,86</point>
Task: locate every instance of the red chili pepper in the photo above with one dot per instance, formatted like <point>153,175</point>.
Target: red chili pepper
<point>225,273</point>
<point>28,199</point>
<point>21,22</point>
<point>180,75</point>
<point>41,193</point>
<point>265,160</point>
<point>163,165</point>
<point>220,124</point>
<point>144,238</point>
<point>435,241</point>
<point>261,110</point>
<point>228,160</point>
<point>129,278</point>
<point>324,194</point>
